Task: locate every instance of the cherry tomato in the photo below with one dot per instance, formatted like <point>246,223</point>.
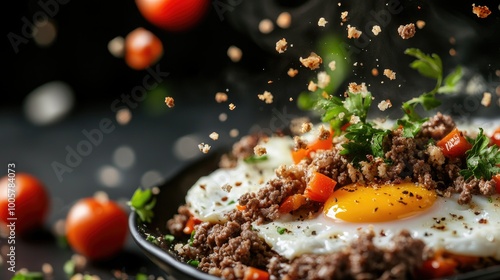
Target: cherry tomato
<point>495,137</point>
<point>96,228</point>
<point>23,197</point>
<point>173,15</point>
<point>142,49</point>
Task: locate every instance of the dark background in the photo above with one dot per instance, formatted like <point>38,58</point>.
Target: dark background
<point>198,67</point>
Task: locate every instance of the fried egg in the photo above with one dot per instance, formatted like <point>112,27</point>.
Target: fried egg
<point>442,223</point>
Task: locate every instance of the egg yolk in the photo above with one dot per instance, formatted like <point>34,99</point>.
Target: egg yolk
<point>360,204</point>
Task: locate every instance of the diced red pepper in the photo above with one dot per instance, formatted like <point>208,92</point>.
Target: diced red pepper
<point>496,178</point>
<point>495,137</point>
<point>320,187</point>
<point>191,222</point>
<point>319,144</point>
<point>292,203</point>
<point>252,273</point>
<point>454,144</point>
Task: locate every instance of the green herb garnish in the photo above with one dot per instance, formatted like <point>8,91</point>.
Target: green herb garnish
<point>152,239</point>
<point>141,276</point>
<point>142,203</point>
<point>281,230</point>
<point>429,66</point>
<point>191,238</point>
<point>482,159</point>
<point>255,159</point>
<point>364,140</point>
<point>169,238</point>
<point>194,263</point>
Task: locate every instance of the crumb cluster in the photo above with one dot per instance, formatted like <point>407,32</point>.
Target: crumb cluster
<point>407,31</point>
<point>481,11</point>
<point>313,61</point>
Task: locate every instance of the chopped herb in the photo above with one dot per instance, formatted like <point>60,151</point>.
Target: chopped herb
<point>191,238</point>
<point>482,159</point>
<point>338,112</point>
<point>255,159</point>
<point>429,66</point>
<point>28,275</point>
<point>281,230</point>
<point>152,239</point>
<point>142,203</point>
<point>169,238</point>
<point>365,140</point>
<point>194,263</point>
<point>490,199</point>
<point>231,202</point>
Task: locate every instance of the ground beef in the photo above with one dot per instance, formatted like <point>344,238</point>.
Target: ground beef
<point>362,260</point>
<point>438,126</point>
<point>176,224</point>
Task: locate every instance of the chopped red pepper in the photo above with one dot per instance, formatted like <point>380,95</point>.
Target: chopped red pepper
<point>320,187</point>
<point>252,273</point>
<point>319,144</point>
<point>292,203</point>
<point>454,144</point>
<point>496,178</point>
<point>191,222</point>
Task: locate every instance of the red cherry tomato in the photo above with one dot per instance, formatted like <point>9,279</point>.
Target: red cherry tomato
<point>23,197</point>
<point>173,15</point>
<point>142,49</point>
<point>96,228</point>
<point>495,137</point>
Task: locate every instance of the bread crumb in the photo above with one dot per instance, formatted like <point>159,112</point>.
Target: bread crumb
<point>322,22</point>
<point>355,88</point>
<point>226,187</point>
<point>323,133</point>
<point>281,45</point>
<point>486,100</point>
<point>266,26</point>
<point>306,127</point>
<point>332,65</point>
<point>232,106</point>
<point>214,136</point>
<point>452,52</point>
<point>169,101</point>
<point>299,143</point>
<point>312,86</point>
<point>222,117</point>
<point>220,97</point>
<point>354,119</point>
<point>284,20</point>
<point>234,53</point>
<point>390,74</point>
<point>376,30</point>
<point>407,31</point>
<point>374,72</point>
<point>323,79</point>
<point>204,148</point>
<point>343,16</point>
<point>290,99</point>
<point>313,61</point>
<point>234,133</point>
<point>292,72</point>
<point>297,123</point>
<point>420,24</point>
<point>116,47</point>
<point>266,97</point>
<point>481,11</point>
<point>259,150</point>
<point>352,32</point>
<point>384,105</point>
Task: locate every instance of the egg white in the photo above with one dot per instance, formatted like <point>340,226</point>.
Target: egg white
<point>210,202</point>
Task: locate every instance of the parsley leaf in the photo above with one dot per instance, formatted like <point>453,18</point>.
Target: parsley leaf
<point>338,112</point>
<point>28,275</point>
<point>429,66</point>
<point>255,159</point>
<point>482,159</point>
<point>364,140</point>
<point>142,203</point>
